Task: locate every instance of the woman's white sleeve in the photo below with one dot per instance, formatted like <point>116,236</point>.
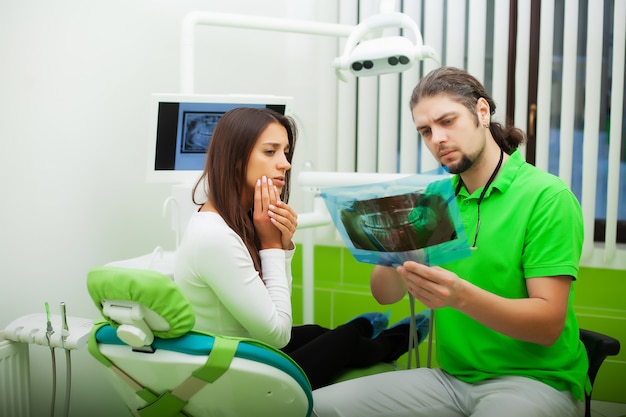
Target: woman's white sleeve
<point>277,278</point>
<point>262,307</point>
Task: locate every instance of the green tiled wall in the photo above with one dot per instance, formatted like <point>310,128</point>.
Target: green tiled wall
<point>342,292</point>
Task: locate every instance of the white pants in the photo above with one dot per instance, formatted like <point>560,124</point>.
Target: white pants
<point>425,392</point>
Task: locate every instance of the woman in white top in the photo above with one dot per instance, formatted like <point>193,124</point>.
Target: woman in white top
<point>234,262</point>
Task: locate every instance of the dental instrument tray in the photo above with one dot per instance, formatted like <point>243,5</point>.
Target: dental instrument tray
<point>32,329</point>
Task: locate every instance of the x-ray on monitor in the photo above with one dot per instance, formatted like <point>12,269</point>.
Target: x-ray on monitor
<point>182,126</point>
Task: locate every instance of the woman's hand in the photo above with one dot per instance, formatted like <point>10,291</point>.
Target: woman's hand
<point>266,196</point>
<point>285,220</point>
<point>274,221</point>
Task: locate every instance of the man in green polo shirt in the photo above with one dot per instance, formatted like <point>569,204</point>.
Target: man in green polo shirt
<point>507,338</point>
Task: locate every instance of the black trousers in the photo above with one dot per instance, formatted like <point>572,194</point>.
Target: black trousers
<point>324,353</point>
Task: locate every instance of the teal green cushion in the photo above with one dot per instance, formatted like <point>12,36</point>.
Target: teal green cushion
<point>152,289</point>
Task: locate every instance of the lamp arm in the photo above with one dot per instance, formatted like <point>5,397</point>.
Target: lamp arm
<point>192,19</point>
<point>383,21</point>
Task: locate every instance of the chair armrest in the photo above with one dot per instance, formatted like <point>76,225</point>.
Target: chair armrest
<point>598,347</point>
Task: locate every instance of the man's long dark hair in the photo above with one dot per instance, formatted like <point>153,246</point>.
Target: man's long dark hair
<point>462,87</point>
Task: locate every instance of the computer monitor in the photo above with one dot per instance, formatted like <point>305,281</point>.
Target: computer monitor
<point>181,129</point>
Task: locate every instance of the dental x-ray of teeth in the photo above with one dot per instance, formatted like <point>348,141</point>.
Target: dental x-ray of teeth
<point>412,218</point>
<point>197,130</point>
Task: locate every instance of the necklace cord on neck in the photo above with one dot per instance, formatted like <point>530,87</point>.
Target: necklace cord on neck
<point>482,194</point>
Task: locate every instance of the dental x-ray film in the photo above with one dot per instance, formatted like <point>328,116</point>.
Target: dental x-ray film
<point>412,218</point>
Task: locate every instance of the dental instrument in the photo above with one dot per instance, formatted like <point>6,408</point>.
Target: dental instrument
<point>49,333</point>
<point>68,360</point>
<point>31,330</point>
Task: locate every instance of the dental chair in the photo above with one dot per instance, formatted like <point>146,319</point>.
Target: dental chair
<point>162,368</point>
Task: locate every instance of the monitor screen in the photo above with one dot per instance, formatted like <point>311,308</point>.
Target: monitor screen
<point>181,129</point>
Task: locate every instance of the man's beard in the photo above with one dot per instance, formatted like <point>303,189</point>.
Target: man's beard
<point>463,165</point>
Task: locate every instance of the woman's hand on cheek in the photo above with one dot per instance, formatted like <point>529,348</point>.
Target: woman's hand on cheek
<point>286,220</point>
<point>264,197</point>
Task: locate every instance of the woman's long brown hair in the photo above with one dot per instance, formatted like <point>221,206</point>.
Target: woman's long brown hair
<point>225,170</point>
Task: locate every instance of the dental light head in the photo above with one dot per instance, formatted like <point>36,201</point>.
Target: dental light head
<point>382,55</point>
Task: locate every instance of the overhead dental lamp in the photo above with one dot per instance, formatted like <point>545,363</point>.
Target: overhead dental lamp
<point>365,53</point>
<point>382,55</point>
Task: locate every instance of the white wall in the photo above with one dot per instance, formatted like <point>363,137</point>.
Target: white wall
<point>75,83</point>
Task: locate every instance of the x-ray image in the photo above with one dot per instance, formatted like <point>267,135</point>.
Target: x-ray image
<point>197,130</point>
<point>412,218</point>
<point>398,223</point>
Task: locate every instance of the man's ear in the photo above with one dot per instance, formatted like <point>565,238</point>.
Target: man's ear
<point>483,111</point>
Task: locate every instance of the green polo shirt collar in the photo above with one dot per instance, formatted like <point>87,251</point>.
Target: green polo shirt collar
<point>502,182</point>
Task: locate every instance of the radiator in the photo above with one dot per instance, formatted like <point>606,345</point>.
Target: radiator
<point>14,379</point>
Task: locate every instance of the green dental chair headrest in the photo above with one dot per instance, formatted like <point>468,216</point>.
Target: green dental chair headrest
<point>140,303</point>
